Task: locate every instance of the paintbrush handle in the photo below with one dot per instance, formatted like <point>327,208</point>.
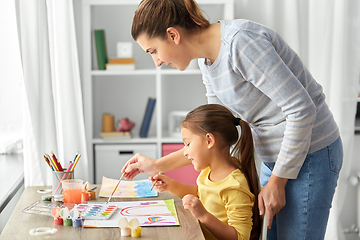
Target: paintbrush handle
<point>155,182</point>
<point>117,184</point>
<point>115,188</point>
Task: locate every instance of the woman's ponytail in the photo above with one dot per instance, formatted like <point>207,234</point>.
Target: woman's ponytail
<point>154,17</point>
<point>196,14</point>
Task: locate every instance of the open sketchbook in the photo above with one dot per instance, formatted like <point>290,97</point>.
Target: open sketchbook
<point>126,189</point>
<point>149,214</point>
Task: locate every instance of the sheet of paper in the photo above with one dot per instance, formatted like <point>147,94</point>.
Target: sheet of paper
<point>149,214</point>
<point>139,188</point>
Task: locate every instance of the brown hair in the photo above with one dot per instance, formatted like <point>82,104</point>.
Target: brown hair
<point>154,17</point>
<point>218,120</point>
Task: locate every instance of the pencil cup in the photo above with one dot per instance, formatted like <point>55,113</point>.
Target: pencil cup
<point>57,189</point>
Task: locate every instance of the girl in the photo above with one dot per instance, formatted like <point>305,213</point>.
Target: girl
<point>252,71</point>
<point>224,199</point>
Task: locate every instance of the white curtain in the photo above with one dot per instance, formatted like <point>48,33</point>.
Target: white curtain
<point>325,33</point>
<point>53,109</point>
<point>10,82</point>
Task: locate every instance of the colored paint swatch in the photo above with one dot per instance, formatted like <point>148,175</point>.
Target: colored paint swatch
<point>96,211</point>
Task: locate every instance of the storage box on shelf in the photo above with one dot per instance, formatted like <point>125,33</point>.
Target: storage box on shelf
<point>125,93</point>
<point>187,174</point>
<point>114,156</point>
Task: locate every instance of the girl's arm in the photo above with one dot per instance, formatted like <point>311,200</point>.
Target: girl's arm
<point>166,184</point>
<point>139,163</point>
<point>219,229</point>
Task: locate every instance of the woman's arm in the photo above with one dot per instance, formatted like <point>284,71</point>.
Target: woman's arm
<point>173,161</point>
<point>272,198</point>
<point>139,163</point>
<point>176,188</point>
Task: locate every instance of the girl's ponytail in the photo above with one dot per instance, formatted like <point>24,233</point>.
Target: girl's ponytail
<point>244,151</point>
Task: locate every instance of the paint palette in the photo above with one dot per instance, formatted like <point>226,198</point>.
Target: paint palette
<point>96,211</point>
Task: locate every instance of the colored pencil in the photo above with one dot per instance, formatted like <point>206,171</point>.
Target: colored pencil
<point>64,176</point>
<point>48,162</point>
<point>53,163</point>
<point>76,155</point>
<point>57,162</point>
<point>75,162</point>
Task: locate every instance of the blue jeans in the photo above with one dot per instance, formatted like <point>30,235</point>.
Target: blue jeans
<point>308,197</point>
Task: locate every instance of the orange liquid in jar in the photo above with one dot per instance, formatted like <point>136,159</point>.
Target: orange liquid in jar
<point>72,195</point>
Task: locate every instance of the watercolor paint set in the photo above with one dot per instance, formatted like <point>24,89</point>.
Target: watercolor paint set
<point>96,211</point>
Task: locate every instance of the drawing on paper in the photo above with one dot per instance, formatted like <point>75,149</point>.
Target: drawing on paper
<point>139,188</point>
<point>156,214</point>
<point>149,213</point>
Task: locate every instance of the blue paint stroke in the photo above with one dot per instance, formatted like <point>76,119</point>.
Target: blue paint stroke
<point>143,189</point>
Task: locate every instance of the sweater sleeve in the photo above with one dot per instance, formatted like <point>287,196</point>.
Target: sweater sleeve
<point>270,65</point>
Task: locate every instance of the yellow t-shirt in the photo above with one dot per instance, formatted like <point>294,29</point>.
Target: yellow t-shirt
<point>230,200</point>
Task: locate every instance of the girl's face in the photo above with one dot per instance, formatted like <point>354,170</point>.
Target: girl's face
<point>168,52</point>
<point>196,149</point>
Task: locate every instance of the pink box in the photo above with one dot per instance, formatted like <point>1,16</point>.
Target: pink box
<point>186,174</point>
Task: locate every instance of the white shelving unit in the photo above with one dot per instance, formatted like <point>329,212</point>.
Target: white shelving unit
<point>125,93</point>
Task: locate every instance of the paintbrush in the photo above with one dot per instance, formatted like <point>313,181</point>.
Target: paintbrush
<point>115,188</point>
<point>155,182</point>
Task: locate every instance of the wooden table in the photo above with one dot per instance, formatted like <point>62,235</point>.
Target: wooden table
<point>19,223</point>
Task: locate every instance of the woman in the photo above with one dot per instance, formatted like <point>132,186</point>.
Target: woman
<point>252,71</point>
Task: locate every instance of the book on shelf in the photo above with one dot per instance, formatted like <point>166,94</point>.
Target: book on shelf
<point>116,135</point>
<point>147,117</point>
<point>101,49</point>
<point>120,67</point>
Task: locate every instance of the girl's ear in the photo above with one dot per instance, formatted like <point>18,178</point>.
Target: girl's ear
<point>210,140</point>
<point>173,35</point>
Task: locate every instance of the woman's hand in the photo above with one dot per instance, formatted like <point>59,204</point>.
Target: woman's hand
<point>194,205</point>
<point>139,164</point>
<point>272,198</point>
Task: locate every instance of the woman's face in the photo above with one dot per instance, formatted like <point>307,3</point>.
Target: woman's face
<point>168,52</point>
<point>195,149</point>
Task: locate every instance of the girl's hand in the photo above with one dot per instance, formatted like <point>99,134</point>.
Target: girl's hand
<point>194,205</point>
<point>138,164</point>
<point>163,183</point>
